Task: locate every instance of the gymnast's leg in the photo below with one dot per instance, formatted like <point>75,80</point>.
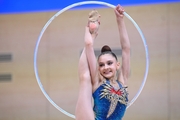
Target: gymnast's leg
<point>84,109</point>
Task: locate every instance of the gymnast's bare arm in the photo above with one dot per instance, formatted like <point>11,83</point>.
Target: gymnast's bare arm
<point>125,45</point>
<point>90,35</point>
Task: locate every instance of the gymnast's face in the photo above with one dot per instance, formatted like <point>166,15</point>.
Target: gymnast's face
<point>108,66</point>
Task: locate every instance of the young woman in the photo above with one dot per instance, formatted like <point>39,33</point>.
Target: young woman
<point>101,78</point>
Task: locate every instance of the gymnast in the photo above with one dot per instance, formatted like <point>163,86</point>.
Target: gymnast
<point>103,78</point>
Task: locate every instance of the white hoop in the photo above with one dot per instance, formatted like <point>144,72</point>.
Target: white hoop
<point>65,9</point>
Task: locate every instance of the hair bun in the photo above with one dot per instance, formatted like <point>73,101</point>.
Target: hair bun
<point>105,48</point>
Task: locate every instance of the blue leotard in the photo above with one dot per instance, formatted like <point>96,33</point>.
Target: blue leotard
<point>110,104</point>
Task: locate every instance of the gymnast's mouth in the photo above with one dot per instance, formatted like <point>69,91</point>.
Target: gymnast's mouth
<point>99,22</point>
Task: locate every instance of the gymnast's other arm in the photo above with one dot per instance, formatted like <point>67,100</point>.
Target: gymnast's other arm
<point>90,35</point>
<point>125,45</point>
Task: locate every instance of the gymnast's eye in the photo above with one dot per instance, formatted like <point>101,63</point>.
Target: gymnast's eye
<point>109,62</point>
<point>101,65</point>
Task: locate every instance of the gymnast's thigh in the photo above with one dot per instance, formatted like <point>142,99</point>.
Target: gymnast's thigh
<point>84,109</point>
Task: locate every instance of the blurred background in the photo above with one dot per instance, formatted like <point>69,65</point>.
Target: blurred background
<point>21,22</point>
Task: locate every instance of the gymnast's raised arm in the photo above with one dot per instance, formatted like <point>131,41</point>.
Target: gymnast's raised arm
<point>90,35</point>
<point>125,45</point>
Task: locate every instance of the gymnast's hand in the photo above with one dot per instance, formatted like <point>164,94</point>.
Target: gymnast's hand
<point>119,12</point>
<point>93,23</point>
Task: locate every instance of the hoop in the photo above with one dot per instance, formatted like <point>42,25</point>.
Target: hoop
<point>65,9</point>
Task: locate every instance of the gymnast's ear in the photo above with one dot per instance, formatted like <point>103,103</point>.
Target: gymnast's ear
<point>118,65</point>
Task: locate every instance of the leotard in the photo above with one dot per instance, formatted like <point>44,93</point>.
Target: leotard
<point>110,104</point>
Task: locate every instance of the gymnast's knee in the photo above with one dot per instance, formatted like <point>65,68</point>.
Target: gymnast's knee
<point>85,77</point>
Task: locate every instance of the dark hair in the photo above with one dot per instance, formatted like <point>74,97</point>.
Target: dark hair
<point>107,50</point>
